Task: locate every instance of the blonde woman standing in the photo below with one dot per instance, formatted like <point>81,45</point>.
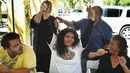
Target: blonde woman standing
<point>44,26</point>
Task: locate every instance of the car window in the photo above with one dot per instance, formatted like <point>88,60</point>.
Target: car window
<point>112,12</point>
<point>77,11</point>
<point>128,13</point>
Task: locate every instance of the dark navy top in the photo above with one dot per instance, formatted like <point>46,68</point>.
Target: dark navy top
<point>100,35</point>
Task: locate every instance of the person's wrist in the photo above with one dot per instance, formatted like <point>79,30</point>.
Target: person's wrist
<point>92,19</point>
<point>123,66</point>
<point>95,54</point>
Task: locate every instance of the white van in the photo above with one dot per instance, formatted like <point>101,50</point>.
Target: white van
<point>118,18</point>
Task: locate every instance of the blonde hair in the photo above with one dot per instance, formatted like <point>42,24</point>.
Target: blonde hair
<point>44,6</point>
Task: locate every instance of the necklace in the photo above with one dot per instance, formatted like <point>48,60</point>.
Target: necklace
<point>68,56</point>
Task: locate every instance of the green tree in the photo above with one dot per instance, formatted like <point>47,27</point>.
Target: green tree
<point>124,3</point>
<point>117,2</point>
<point>69,3</point>
<point>109,2</point>
<point>87,1</point>
<point>72,3</point>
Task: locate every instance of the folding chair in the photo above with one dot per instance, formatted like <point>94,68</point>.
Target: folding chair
<point>92,66</point>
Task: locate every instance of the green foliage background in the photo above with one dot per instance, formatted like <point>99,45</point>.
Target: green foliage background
<point>119,2</point>
<point>72,3</point>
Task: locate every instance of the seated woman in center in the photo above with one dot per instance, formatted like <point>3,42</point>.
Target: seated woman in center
<point>66,53</point>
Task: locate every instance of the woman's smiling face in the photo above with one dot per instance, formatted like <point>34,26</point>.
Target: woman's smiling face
<point>114,49</point>
<point>69,39</point>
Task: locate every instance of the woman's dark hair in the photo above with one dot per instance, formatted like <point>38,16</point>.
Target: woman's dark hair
<point>122,44</point>
<point>7,37</point>
<point>59,46</point>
